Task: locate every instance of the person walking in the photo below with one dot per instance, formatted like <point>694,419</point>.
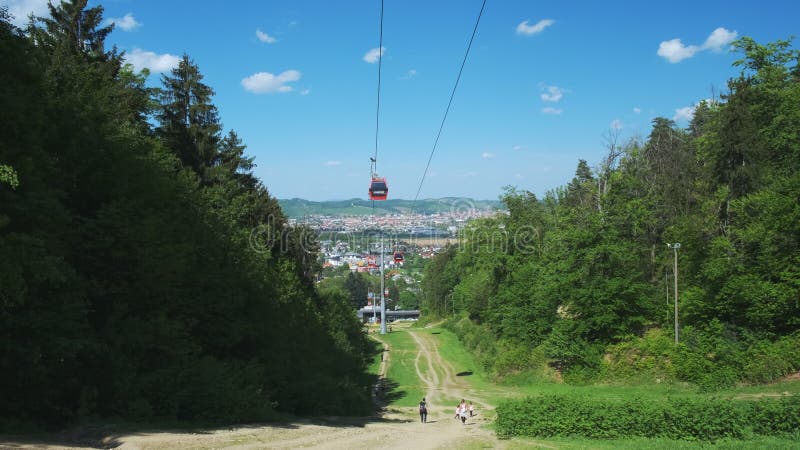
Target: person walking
<point>423,411</point>
<point>463,412</point>
<point>471,409</point>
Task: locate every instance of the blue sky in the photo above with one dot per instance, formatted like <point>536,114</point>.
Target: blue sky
<point>544,82</point>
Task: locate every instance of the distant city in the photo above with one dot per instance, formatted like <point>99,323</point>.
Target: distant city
<point>437,224</point>
<point>355,240</point>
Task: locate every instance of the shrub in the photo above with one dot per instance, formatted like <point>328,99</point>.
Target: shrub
<point>712,358</point>
<point>777,416</point>
<point>766,362</point>
<point>706,419</point>
<point>649,358</point>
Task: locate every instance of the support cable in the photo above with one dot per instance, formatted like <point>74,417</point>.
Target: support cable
<point>447,110</point>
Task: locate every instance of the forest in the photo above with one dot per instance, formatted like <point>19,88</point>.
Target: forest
<point>579,285</point>
<point>145,273</point>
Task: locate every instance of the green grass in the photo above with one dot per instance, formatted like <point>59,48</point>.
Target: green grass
<point>452,350</point>
<point>401,369</point>
<point>654,391</point>
<point>375,365</point>
<point>790,387</point>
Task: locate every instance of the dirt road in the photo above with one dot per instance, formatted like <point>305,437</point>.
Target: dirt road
<point>396,428</point>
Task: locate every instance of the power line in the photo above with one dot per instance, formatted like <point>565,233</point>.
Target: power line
<point>374,165</point>
<point>378,109</point>
<point>452,95</point>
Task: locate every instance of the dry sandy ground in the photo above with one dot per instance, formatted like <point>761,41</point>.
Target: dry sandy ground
<point>396,428</point>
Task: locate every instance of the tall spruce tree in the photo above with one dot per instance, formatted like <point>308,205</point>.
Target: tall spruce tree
<point>75,28</point>
<point>188,121</point>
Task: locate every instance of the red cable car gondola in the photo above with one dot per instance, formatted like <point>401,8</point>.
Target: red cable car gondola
<point>378,190</point>
<point>398,256</point>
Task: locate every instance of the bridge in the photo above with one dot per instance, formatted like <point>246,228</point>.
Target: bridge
<point>368,312</point>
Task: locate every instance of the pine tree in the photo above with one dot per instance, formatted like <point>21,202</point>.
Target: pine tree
<point>76,29</point>
<point>189,122</point>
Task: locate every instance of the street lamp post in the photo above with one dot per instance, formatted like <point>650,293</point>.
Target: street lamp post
<point>675,248</point>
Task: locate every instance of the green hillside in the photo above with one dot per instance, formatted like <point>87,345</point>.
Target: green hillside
<point>297,207</point>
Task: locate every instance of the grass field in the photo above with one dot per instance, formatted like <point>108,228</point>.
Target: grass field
<point>410,389</point>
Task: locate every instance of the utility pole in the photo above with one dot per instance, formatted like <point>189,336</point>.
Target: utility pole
<point>372,300</point>
<point>675,248</point>
<point>383,302</point>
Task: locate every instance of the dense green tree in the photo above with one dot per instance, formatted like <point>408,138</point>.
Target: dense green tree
<point>232,163</point>
<point>75,29</point>
<point>409,300</point>
<point>357,289</point>
<point>146,290</point>
<point>585,268</point>
<point>394,295</point>
<point>188,121</point>
<point>438,283</point>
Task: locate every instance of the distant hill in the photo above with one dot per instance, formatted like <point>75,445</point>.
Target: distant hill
<point>297,207</point>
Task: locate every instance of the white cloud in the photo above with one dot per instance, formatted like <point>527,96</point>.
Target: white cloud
<point>553,94</point>
<point>471,173</point>
<point>410,74</point>
<point>719,38</point>
<point>156,63</point>
<point>373,55</point>
<point>551,110</point>
<point>529,30</point>
<point>616,124</point>
<point>20,9</point>
<point>518,176</point>
<point>305,92</point>
<point>637,110</point>
<point>487,155</point>
<point>674,50</point>
<point>125,23</point>
<point>685,113</point>
<point>267,83</point>
<point>293,23</point>
<point>264,37</point>
<point>333,163</point>
<point>517,147</point>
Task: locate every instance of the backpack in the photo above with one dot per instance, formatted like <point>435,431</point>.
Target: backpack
<point>422,408</point>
